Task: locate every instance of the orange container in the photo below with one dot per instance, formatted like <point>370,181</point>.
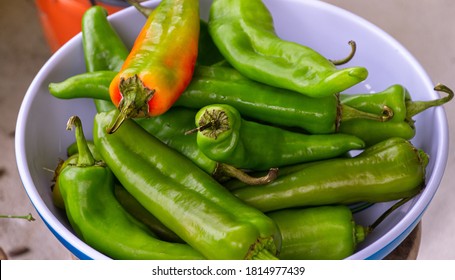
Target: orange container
<point>61,19</point>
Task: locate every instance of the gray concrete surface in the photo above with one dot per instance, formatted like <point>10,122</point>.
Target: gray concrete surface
<point>425,27</point>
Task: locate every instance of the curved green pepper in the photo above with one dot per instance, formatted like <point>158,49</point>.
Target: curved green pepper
<point>398,99</point>
<point>389,170</point>
<point>318,233</point>
<point>224,136</point>
<point>87,85</point>
<point>128,202</point>
<point>185,198</point>
<point>87,189</point>
<point>244,33</point>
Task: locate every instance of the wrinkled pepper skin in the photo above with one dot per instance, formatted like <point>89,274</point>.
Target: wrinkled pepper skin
<point>398,99</point>
<point>161,63</point>
<point>87,189</point>
<point>389,170</point>
<point>244,33</point>
<point>186,199</point>
<point>318,233</point>
<point>224,136</point>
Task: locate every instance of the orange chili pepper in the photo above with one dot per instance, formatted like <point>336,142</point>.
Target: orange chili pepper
<point>161,63</point>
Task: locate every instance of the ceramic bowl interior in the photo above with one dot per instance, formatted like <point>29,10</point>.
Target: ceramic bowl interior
<point>41,138</point>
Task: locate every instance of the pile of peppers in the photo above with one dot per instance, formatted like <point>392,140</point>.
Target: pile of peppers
<point>215,140</point>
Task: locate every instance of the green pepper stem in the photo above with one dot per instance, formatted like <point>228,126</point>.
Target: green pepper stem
<point>349,57</point>
<point>28,217</point>
<point>350,113</point>
<point>387,213</point>
<point>85,157</point>
<point>199,128</point>
<point>143,10</point>
<point>223,169</point>
<point>415,107</point>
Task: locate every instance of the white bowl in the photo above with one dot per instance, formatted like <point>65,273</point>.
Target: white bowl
<point>41,137</point>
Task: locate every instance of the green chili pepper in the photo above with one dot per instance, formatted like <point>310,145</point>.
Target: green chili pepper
<point>326,232</point>
<point>389,170</point>
<point>398,99</point>
<point>318,233</point>
<point>87,188</point>
<point>224,136</point>
<point>215,85</point>
<point>86,85</point>
<point>245,35</point>
<point>103,50</point>
<point>185,198</point>
<point>126,200</point>
<point>171,127</point>
<point>138,211</point>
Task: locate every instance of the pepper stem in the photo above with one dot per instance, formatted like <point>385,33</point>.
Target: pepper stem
<point>212,123</point>
<point>387,213</point>
<point>349,57</point>
<point>415,107</point>
<point>85,157</point>
<point>28,217</point>
<point>223,169</point>
<point>350,113</point>
<point>134,103</point>
<point>143,10</point>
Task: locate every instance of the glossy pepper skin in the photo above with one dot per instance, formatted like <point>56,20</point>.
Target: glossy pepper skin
<point>398,99</point>
<point>389,170</point>
<point>87,85</point>
<point>132,206</point>
<point>87,189</point>
<point>126,200</point>
<point>216,84</point>
<point>161,63</point>
<point>220,84</point>
<point>104,50</point>
<point>244,33</point>
<point>186,199</point>
<point>224,136</point>
<point>318,233</point>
